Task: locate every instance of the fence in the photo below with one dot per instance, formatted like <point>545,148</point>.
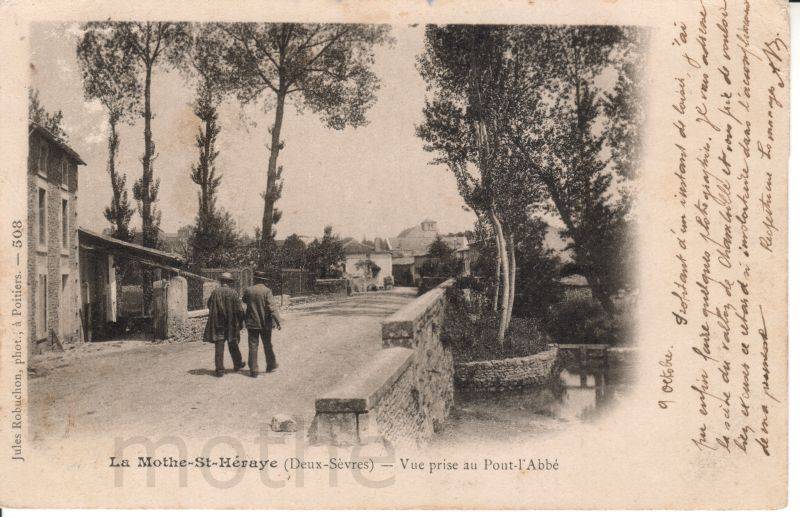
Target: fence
<point>242,278</point>
<point>291,282</point>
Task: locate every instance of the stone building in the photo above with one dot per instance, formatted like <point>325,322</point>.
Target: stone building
<point>416,239</point>
<point>410,249</point>
<point>355,252</point>
<point>53,278</point>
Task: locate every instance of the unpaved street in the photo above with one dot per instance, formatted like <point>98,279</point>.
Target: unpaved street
<point>168,389</point>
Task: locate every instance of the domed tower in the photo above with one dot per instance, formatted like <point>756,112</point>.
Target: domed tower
<point>428,225</point>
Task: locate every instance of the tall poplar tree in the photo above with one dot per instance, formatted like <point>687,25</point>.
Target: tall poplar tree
<point>326,68</point>
<point>110,78</point>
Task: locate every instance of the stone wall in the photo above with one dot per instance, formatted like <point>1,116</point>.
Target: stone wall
<point>330,286</point>
<point>404,393</point>
<point>502,374</point>
<point>192,328</point>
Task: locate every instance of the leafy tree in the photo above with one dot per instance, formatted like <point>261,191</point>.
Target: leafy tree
<point>202,64</point>
<point>293,253</point>
<point>474,83</point>
<point>110,77</point>
<point>520,117</point>
<point>441,259</point>
<point>324,67</point>
<point>52,122</point>
<point>325,255</point>
<point>152,44</point>
<point>585,189</point>
<point>215,241</point>
<point>145,46</point>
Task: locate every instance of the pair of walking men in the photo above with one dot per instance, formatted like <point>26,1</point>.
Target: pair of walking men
<point>226,319</point>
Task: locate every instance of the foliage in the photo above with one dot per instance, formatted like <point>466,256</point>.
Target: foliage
<point>52,122</point>
<point>133,51</point>
<point>539,268</point>
<point>324,67</point>
<point>370,268</point>
<point>441,261</point>
<point>215,242</point>
<point>521,117</point>
<point>470,327</point>
<point>109,77</point>
<point>580,320</point>
<point>325,255</point>
<point>293,253</point>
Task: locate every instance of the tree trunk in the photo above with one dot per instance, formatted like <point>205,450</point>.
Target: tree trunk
<point>495,303</point>
<point>512,281</point>
<point>599,293</point>
<point>502,252</point>
<point>272,172</point>
<point>147,178</point>
<point>205,166</point>
<point>113,142</point>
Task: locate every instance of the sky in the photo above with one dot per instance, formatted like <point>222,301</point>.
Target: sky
<point>371,181</point>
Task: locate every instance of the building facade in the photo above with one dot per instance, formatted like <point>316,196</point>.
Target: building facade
<point>410,249</point>
<point>356,252</point>
<point>53,274</point>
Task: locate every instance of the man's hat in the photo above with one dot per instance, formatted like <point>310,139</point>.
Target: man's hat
<point>226,278</point>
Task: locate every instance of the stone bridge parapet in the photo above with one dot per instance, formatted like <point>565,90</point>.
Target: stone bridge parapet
<point>404,392</point>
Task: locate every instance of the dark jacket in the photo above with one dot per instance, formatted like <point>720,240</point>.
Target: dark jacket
<point>224,316</point>
<point>262,310</point>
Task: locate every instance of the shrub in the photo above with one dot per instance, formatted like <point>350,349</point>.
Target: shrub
<point>581,320</point>
<point>470,329</point>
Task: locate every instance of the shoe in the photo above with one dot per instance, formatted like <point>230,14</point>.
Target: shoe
<point>239,367</point>
<point>272,369</point>
<point>219,373</point>
<point>254,374</point>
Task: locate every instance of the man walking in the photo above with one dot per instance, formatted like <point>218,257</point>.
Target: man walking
<point>224,324</point>
<point>261,314</point>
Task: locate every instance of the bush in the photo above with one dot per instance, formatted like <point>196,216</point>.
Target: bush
<point>470,329</point>
<point>388,282</point>
<point>581,320</point>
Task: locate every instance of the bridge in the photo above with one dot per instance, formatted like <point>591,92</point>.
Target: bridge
<point>122,388</point>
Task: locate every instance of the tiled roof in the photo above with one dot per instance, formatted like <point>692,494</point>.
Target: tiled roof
<point>50,137</point>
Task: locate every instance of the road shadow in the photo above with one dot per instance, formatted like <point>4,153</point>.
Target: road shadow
<point>213,373</point>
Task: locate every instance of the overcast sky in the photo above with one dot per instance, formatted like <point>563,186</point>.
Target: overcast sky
<point>370,181</point>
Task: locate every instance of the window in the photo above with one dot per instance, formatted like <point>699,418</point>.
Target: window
<point>41,307</point>
<point>64,306</point>
<point>64,172</point>
<point>64,224</point>
<point>43,158</point>
<point>42,216</point>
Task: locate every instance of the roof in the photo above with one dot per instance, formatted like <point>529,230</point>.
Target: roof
<point>353,247</point>
<point>53,139</point>
<point>88,238</point>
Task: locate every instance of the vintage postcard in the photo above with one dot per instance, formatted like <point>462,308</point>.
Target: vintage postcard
<point>394,254</point>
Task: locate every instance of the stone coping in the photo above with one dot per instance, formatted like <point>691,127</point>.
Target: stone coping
<point>199,313</point>
<point>509,360</point>
<point>506,373</point>
<point>402,321</point>
<point>363,390</point>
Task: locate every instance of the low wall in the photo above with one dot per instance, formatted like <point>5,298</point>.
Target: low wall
<point>192,328</point>
<point>330,286</point>
<point>503,374</point>
<point>404,393</point>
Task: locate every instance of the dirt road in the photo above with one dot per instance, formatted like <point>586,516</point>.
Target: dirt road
<point>168,389</point>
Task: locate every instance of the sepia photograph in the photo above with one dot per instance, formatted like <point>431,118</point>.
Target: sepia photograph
<point>392,257</point>
<point>239,223</point>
